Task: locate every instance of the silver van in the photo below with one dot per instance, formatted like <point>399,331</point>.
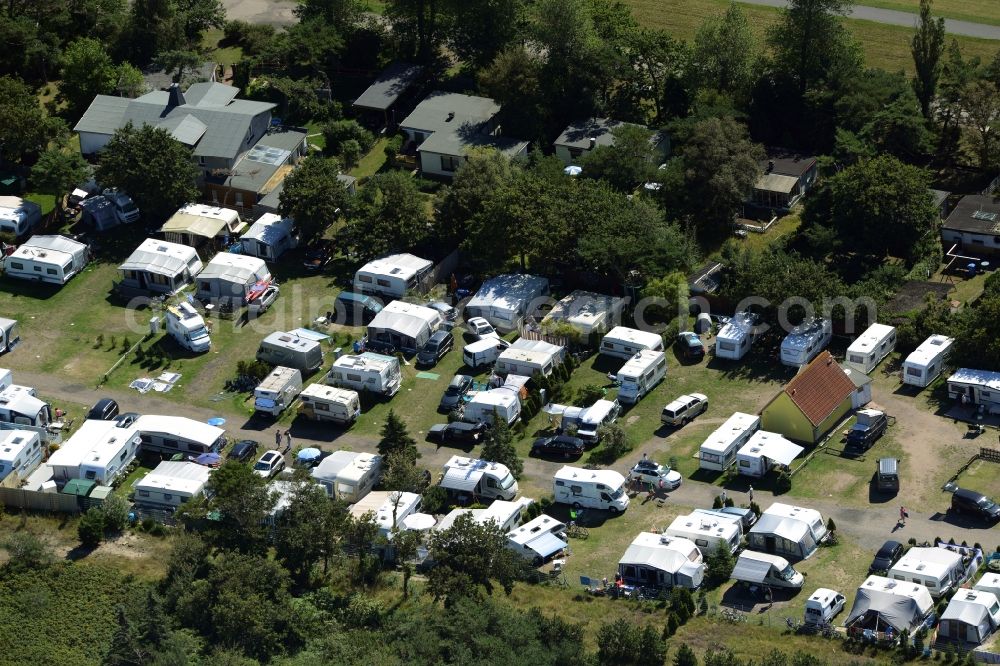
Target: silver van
<point>683,409</point>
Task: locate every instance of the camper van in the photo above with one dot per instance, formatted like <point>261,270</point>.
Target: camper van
<point>707,532</point>
<point>367,371</point>
<point>871,347</point>
<point>764,569</point>
<point>478,479</point>
<point>590,488</point>
<point>483,352</point>
<point>763,452</point>
<point>640,375</point>
<point>347,475</point>
<point>624,342</point>
<point>291,351</point>
<point>719,450</point>
<point>925,363</point>
<point>736,337</point>
<point>823,605</point>
<point>51,259</point>
<point>277,391</point>
<point>125,209</point>
<point>483,405</point>
<point>10,335</point>
<point>187,328</point>
<point>590,420</point>
<point>392,276</point>
<point>320,402</point>
<point>805,342</point>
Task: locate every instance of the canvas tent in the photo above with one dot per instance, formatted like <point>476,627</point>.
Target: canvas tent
<point>505,299</point>
<point>883,602</point>
<point>403,326</point>
<point>971,616</point>
<point>659,561</point>
<point>789,531</point>
<point>195,224</point>
<point>160,266</point>
<point>230,277</point>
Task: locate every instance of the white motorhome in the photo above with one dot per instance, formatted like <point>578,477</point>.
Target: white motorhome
<point>504,300</point>
<point>640,375</point>
<point>367,371</point>
<point>707,532</point>
<point>662,562</point>
<point>538,539</point>
<point>482,406</point>
<point>823,605</point>
<point>20,453</point>
<point>763,452</point>
<point>938,569</point>
<point>736,337</point>
<point>925,363</point>
<point>19,216</point>
<point>52,259</point>
<point>348,475</point>
<point>292,351</point>
<point>320,402</point>
<point>476,478</point>
<point>805,342</point>
<point>269,237</point>
<point>590,488</point>
<point>585,422</point>
<point>976,387</point>
<point>871,347</point>
<point>187,328</point>
<point>19,404</point>
<point>624,342</point>
<point>764,569</point>
<point>171,484</point>
<point>178,434</point>
<point>277,391</point>
<point>392,276</point>
<point>502,513</point>
<point>527,357</point>
<point>483,352</point>
<point>10,335</point>
<point>99,451</point>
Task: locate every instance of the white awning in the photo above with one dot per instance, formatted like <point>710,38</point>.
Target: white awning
<point>751,571</point>
<point>780,450</point>
<point>546,544</point>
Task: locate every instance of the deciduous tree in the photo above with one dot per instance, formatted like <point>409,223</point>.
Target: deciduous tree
<point>57,171</point>
<point>498,446</point>
<point>482,173</point>
<point>390,215</point>
<point>809,41</point>
<point>469,557</point>
<point>307,531</point>
<point>630,161</point>
<point>622,643</point>
<point>25,129</point>
<point>927,48</point>
<point>726,52</point>
<point>243,501</point>
<point>313,196</point>
<point>341,14</point>
<point>87,71</point>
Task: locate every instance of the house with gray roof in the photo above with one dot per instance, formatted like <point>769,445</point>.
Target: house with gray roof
<point>444,127</point>
<point>580,138</point>
<point>973,225</point>
<point>785,179</point>
<point>382,99</point>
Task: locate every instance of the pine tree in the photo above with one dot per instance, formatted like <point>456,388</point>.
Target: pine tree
<point>396,438</point>
<point>499,446</point>
<point>685,656</point>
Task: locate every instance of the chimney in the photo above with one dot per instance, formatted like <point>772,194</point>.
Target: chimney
<point>176,97</point>
<point>593,142</point>
<point>451,117</point>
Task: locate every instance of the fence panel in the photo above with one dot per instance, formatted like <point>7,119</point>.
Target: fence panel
<point>19,498</point>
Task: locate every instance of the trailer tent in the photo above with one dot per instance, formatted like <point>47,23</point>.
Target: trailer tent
<point>882,603</point>
<point>505,300</point>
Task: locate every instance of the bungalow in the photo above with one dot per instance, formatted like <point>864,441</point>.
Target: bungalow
<point>230,278</point>
<point>578,139</point>
<point>789,531</point>
<point>171,484</point>
<point>974,225</point>
<point>587,311</point>
<point>402,326</point>
<point>504,300</point>
<point>971,617</point>
<point>883,603</point>
<point>662,562</point>
<point>269,237</point>
<point>52,259</point>
<point>381,100</point>
<point>785,179</point>
<point>160,266</point>
<point>197,224</point>
<point>812,404</point>
<point>976,387</point>
<point>444,127</point>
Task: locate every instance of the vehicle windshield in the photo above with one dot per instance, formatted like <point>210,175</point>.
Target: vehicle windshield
<point>787,573</point>
<point>618,493</point>
<point>262,465</point>
<point>987,504</point>
<point>130,207</point>
<point>507,482</point>
<point>200,332</point>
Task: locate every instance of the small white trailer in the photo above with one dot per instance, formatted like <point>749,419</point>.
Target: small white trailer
<point>20,453</point>
<point>476,478</point>
<point>925,363</point>
<point>10,334</point>
<point>348,475</point>
<point>709,533</point>
<point>736,337</point>
<point>527,357</point>
<point>482,406</point>
<point>291,350</point>
<point>51,259</point>
<point>538,539</point>
<point>763,452</point>
<point>172,484</point>
<point>640,375</point>
<point>590,488</point>
<point>367,371</point>
<point>391,276</point>
<point>320,402</point>
<point>871,347</point>
<point>624,342</point>
<point>805,342</point>
<point>277,391</point>
<point>976,387</point>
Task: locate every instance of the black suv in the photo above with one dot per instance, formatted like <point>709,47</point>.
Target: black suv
<point>104,409</point>
<point>456,433</point>
<point>887,555</point>
<point>244,450</point>
<point>435,348</point>
<point>977,504</point>
<point>862,435</point>
<point>457,387</point>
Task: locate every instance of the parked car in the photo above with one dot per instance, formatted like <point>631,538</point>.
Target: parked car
<point>887,555</point>
<point>104,409</point>
<point>457,387</point>
<point>683,409</point>
<point>316,258</point>
<point>746,516</point>
<point>481,328</point>
<point>243,450</point>
<point>871,424</point>
<point>355,309</point>
<point>269,464</point>
<point>439,344</point>
<point>261,303</point>
<point>126,419</point>
<point>974,503</point>
<point>690,345</point>
<point>651,472</point>
<point>887,475</point>
<point>458,432</point>
<point>558,445</point>
<point>448,313</point>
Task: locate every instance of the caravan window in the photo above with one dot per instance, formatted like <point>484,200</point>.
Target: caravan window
<point>51,271</point>
<point>727,346</point>
<point>383,283</point>
<point>576,490</point>
<point>711,457</point>
<point>38,269</point>
<point>913,372</point>
<point>142,493</point>
<point>857,359</point>
<point>353,377</point>
<point>744,463</point>
<point>90,475</point>
<point>122,456</point>
<point>365,278</point>
<point>930,584</point>
<point>661,365</point>
<point>701,542</point>
<point>170,443</point>
<point>168,497</point>
<point>17,265</point>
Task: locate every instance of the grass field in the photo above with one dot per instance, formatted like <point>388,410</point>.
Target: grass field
<point>982,476</point>
<point>885,46</point>
<point>976,11</point>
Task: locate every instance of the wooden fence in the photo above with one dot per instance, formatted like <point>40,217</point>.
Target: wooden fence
<point>30,500</point>
<point>989,455</point>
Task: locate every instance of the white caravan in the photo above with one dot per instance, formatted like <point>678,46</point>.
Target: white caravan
<point>736,337</point>
<point>590,488</point>
<point>19,216</point>
<point>763,452</point>
<point>269,237</point>
<point>925,363</point>
<point>587,420</point>
<point>805,342</point>
<point>765,569</point>
<point>389,508</point>
<point>976,387</point>
<point>483,352</point>
<point>538,539</point>
<point>292,351</point>
<point>504,300</point>
<point>20,404</point>
<point>20,453</point>
<point>277,391</point>
<point>871,347</point>
<point>478,479</point>
<point>347,475</point>
<point>99,451</point>
<point>624,342</point>
<point>527,357</point>
<point>367,371</point>
<point>640,375</point>
<point>187,328</point>
<point>391,276</point>
<point>52,259</point>
<point>707,532</point>
<point>320,402</point>
<point>172,484</point>
<point>10,335</point>
<point>937,568</point>
<point>503,401</point>
<point>662,562</point>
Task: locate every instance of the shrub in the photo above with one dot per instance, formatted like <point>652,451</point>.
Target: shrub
<point>91,528</point>
<point>615,444</point>
<point>393,146</point>
<point>339,132</point>
<point>588,395</point>
<point>682,603</point>
<point>673,622</point>
<point>831,526</point>
<point>434,500</point>
<point>718,567</point>
<point>362,613</point>
<point>115,510</point>
<point>350,153</point>
<point>147,524</point>
<point>783,483</point>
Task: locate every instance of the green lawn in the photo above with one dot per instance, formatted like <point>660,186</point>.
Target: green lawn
<point>212,40</point>
<point>316,138</point>
<point>983,477</point>
<point>976,11</point>
<point>785,226</point>
<point>372,162</point>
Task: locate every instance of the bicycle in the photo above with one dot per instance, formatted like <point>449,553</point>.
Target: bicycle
<point>576,530</point>
<point>733,616</point>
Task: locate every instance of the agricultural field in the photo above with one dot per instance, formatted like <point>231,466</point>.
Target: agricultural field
<point>974,11</point>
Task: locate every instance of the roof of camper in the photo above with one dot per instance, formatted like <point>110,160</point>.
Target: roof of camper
<point>737,328</point>
<point>330,466</point>
<point>499,512</point>
<point>754,567</point>
<point>291,340</point>
<point>160,257</point>
<point>499,397</point>
<point>270,228</point>
<point>645,338</point>
<point>61,244</point>
<point>330,393</point>
<point>585,309</point>
<point>900,603</point>
<point>936,562</point>
<point>763,444</point>
<point>706,524</point>
<point>790,522</point>
<point>365,360</point>
<point>12,442</point>
<point>871,336</point>
<point>177,476</point>
<point>202,220</point>
<point>608,477</point>
<point>93,442</point>
<point>722,437</point>
<point>406,318</point>
<point>986,378</point>
<point>928,349</point>
<point>530,530</point>
<point>658,551</point>
<point>180,427</point>
<point>640,362</point>
<point>235,268</point>
<point>819,388</point>
<point>540,346</point>
<point>359,466</point>
<point>383,504</point>
<point>970,606</point>
<point>19,399</point>
<point>402,266</point>
<point>804,334</point>
<point>462,473</point>
<point>11,206</point>
<point>508,290</point>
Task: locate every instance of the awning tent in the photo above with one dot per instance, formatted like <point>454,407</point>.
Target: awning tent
<point>546,544</point>
<point>751,571</point>
<point>876,608</point>
<point>780,450</point>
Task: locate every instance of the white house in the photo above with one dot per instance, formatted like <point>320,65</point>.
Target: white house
<point>52,259</point>
<point>971,617</point>
<point>538,539</point>
<point>587,311</point>
<point>882,602</point>
<point>171,484</point>
<point>976,387</point>
<point>20,453</point>
<point>98,451</point>
<point>160,266</point>
<point>862,387</point>
<point>392,276</point>
<point>504,300</point>
<point>786,530</point>
<point>526,357</point>
<point>402,326</point>
<point>172,434</point>
<point>197,224</point>
<point>269,237</point>
<point>230,278</point>
<point>660,561</point>
<point>938,569</point>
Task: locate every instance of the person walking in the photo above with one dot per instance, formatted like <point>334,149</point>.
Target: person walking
<point>902,515</point>
<point>288,441</point>
<point>750,493</point>
<point>277,438</point>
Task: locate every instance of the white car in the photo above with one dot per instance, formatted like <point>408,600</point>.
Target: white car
<point>481,328</point>
<point>269,464</point>
<point>650,472</point>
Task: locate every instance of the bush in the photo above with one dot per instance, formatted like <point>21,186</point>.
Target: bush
<point>682,603</point>
<point>91,528</point>
<point>253,369</point>
<point>588,395</point>
<point>614,444</point>
<point>338,133</point>
<point>718,567</point>
<point>253,38</point>
<point>783,483</point>
<point>434,500</point>
<point>393,146</point>
<point>350,153</point>
<point>115,510</point>
<point>673,622</point>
